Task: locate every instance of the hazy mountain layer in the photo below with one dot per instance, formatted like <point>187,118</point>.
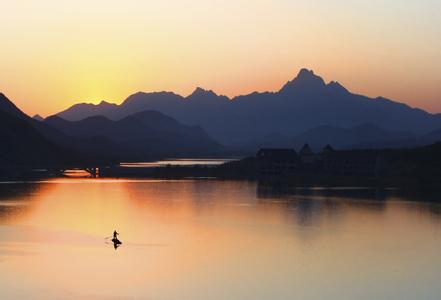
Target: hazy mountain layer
<point>142,136</point>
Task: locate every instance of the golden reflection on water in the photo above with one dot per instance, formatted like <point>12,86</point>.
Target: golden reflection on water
<point>214,240</point>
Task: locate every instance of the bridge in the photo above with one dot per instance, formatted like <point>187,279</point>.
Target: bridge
<point>93,170</point>
<point>28,172</point>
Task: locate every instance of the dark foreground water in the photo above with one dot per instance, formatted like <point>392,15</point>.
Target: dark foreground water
<point>215,240</point>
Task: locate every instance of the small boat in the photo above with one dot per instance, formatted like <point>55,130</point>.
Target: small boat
<point>116,241</point>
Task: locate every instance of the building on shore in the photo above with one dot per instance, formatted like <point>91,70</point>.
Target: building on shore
<point>276,161</point>
<point>281,162</point>
<point>308,157</point>
<point>353,162</point>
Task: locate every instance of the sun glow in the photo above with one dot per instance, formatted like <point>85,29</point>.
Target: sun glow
<point>55,54</point>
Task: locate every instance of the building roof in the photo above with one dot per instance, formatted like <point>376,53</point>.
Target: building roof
<point>328,148</point>
<point>306,150</point>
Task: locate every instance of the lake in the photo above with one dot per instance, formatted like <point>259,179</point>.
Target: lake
<point>209,239</point>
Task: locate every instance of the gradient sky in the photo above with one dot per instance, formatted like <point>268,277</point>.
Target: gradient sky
<point>57,53</point>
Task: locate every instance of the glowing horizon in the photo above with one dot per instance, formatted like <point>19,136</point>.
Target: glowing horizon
<point>56,54</point>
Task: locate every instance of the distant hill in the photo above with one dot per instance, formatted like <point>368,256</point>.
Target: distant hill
<point>84,110</point>
<point>141,136</point>
<point>8,107</point>
<point>303,103</point>
<point>22,144</point>
<point>38,118</point>
<point>27,142</point>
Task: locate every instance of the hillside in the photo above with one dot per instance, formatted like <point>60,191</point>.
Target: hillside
<point>22,145</point>
<point>142,136</point>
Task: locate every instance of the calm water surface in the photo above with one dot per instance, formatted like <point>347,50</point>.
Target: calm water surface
<point>180,162</point>
<point>215,240</point>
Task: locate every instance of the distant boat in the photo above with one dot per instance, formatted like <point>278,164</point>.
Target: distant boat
<point>116,241</point>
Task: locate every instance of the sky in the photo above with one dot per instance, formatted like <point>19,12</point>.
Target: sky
<point>58,53</point>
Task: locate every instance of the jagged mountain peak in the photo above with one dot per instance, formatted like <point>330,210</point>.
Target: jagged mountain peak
<point>335,86</point>
<point>199,92</point>
<point>305,80</point>
<point>106,103</point>
<point>38,118</point>
<point>304,73</point>
<point>308,75</point>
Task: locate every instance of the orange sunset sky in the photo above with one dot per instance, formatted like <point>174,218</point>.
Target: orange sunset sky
<point>57,53</point>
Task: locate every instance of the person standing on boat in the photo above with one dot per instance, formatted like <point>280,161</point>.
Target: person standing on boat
<point>115,235</point>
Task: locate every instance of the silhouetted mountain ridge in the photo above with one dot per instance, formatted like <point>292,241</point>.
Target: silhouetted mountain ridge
<point>88,110</point>
<point>37,117</point>
<point>23,144</point>
<point>301,104</point>
<point>8,107</point>
<point>144,135</point>
<point>305,81</point>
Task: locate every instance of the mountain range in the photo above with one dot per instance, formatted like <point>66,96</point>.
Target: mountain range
<point>150,126</point>
<point>304,103</point>
<point>21,142</point>
<point>54,141</point>
<point>147,134</point>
